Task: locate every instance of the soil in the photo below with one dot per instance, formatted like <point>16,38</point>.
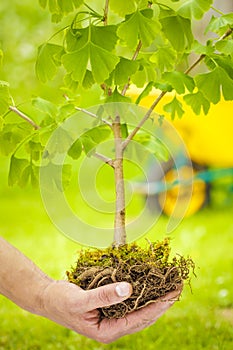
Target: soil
<point>150,271</point>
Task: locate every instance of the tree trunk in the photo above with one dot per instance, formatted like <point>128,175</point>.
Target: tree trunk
<point>119,222</point>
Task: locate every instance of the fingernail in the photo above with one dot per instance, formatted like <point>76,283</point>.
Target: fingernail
<point>123,289</point>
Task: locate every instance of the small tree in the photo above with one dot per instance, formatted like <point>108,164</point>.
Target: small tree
<point>114,44</point>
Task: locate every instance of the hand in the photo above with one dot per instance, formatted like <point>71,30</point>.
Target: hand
<point>76,309</point>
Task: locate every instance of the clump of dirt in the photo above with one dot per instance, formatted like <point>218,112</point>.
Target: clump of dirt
<point>150,271</point>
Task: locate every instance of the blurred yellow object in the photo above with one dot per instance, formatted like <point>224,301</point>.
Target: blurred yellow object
<point>209,138</point>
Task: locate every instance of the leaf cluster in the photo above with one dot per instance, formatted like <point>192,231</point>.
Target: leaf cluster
<point>148,44</point>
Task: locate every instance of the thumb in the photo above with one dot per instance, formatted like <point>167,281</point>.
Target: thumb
<point>108,295</point>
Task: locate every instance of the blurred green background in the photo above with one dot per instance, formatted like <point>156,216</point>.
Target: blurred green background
<point>202,320</point>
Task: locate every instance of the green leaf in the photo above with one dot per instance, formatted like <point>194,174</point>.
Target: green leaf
<point>70,83</point>
<point>99,133</point>
<point>65,111</point>
<point>45,106</point>
<point>145,92</point>
<point>88,80</point>
<point>43,3</point>
<point>34,148</point>
<point>151,144</point>
<point>102,63</point>
<point>211,84</point>
<point>54,171</point>
<point>11,135</point>
<point>30,173</point>
<point>195,8</point>
<point>145,74</point>
<point>177,29</point>
<point>104,37</point>
<point>46,64</point>
<point>124,130</point>
<point>124,69</point>
<point>225,63</point>
<point>1,57</point>
<point>179,81</point>
<point>5,97</point>
<point>60,142</point>
<point>75,150</point>
<point>220,23</point>
<point>60,7</point>
<point>17,166</point>
<point>197,101</point>
<point>174,108</point>
<point>117,97</point>
<point>200,49</point>
<point>225,46</point>
<point>139,26</point>
<point>76,63</point>
<point>88,145</point>
<point>122,7</point>
<point>164,58</point>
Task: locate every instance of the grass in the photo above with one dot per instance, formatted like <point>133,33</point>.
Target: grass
<point>202,320</point>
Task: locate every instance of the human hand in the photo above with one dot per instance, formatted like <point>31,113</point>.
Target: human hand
<point>76,309</point>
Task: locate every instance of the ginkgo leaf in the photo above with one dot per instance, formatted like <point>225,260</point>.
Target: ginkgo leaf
<point>30,173</point>
<point>182,36</point>
<point>104,37</point>
<point>145,92</point>
<point>76,63</point>
<point>60,142</point>
<point>124,69</point>
<point>46,64</point>
<point>174,108</point>
<point>89,145</point>
<point>213,83</point>
<point>90,48</point>
<point>17,166</point>
<point>218,23</point>
<point>139,26</point>
<point>117,97</point>
<point>99,133</point>
<point>164,58</point>
<point>122,7</point>
<point>179,81</point>
<point>5,97</point>
<point>102,62</point>
<point>225,46</point>
<point>195,8</point>
<point>145,73</point>
<point>198,102</point>
<point>61,7</point>
<point>45,106</point>
<point>75,150</point>
<point>59,175</point>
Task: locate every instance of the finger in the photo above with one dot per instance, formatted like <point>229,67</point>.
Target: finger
<point>107,295</point>
<point>148,315</point>
<point>140,319</point>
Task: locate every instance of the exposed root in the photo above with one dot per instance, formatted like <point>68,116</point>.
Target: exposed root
<point>149,271</point>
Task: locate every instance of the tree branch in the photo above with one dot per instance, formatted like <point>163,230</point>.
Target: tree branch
<point>163,93</point>
<point>24,116</point>
<point>106,12</point>
<point>144,119</point>
<point>135,55</point>
<point>105,159</point>
<point>92,115</point>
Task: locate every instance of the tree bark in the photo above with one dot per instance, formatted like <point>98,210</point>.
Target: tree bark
<point>119,222</point>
